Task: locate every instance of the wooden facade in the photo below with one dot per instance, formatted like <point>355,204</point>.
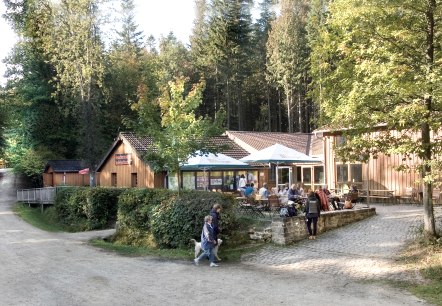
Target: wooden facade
<point>64,173</point>
<point>123,167</point>
<point>376,175</point>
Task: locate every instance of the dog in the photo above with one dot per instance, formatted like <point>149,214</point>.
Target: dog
<point>198,248</point>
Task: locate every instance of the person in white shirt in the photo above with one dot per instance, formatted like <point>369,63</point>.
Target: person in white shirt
<point>264,192</point>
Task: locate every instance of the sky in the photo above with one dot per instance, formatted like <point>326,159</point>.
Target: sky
<point>154,17</point>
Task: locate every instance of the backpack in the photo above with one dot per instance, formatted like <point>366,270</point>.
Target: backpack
<point>283,212</point>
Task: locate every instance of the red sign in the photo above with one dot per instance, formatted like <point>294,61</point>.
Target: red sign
<point>122,159</point>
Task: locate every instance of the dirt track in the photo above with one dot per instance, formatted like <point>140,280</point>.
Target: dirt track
<point>40,268</point>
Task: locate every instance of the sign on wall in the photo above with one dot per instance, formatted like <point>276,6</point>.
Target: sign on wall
<point>122,159</point>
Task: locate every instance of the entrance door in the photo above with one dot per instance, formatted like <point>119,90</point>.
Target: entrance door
<point>284,176</point>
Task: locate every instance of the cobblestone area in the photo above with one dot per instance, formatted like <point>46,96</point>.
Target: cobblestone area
<point>363,250</point>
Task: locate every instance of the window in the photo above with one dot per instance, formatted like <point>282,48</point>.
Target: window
<point>216,180</point>
<point>202,182</point>
<point>356,173</point>
<point>189,180</point>
<point>342,173</point>
<point>229,181</point>
<point>307,178</point>
<point>134,180</point>
<point>114,179</point>
<point>319,175</point>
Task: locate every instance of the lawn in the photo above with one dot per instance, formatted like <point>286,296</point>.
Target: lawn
<point>426,257</point>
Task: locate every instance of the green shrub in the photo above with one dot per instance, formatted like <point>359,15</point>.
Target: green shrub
<point>84,208</point>
<point>159,217</point>
<point>101,207</point>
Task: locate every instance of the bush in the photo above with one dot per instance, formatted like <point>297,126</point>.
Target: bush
<point>84,208</point>
<point>158,217</point>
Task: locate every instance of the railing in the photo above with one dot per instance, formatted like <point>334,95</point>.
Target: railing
<point>42,196</point>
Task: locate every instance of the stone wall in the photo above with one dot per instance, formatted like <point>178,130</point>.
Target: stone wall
<point>292,229</point>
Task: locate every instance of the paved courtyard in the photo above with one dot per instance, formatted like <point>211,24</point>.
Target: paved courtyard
<point>362,250</point>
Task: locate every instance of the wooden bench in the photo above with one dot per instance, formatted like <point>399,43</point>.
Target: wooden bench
<point>380,194</point>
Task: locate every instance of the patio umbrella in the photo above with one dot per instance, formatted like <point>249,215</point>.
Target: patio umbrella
<point>202,161</point>
<point>279,154</point>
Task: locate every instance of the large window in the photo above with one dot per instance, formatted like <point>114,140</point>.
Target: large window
<point>319,177</point>
<point>356,173</point>
<point>342,173</point>
<point>188,180</point>
<point>216,180</point>
<point>347,175</point>
<point>202,180</point>
<point>229,181</point>
<point>307,178</point>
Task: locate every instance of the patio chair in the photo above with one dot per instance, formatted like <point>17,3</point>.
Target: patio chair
<point>410,195</point>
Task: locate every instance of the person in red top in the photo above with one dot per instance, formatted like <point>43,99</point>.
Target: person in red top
<point>323,198</point>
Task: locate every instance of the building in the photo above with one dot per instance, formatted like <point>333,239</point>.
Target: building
<point>123,164</point>
<point>64,172</point>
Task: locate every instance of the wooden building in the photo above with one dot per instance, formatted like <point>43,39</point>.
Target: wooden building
<point>64,173</point>
<point>123,165</point>
<point>378,177</point>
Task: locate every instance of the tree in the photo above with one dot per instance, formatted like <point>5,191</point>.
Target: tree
<point>380,69</point>
<point>123,74</point>
<point>75,50</point>
<point>180,132</point>
<point>287,56</point>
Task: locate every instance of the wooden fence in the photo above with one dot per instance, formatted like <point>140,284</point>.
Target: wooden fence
<point>42,196</point>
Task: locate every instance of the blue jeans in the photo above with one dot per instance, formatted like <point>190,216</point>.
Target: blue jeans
<point>208,252</point>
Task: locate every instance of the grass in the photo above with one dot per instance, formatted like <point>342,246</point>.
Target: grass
<point>228,254</point>
<point>46,221</point>
<point>425,256</point>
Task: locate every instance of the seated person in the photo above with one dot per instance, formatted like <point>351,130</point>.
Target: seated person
<point>284,191</point>
<point>264,192</point>
<point>334,200</point>
<point>248,192</point>
<point>293,193</point>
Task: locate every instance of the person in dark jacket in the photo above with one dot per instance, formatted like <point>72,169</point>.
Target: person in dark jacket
<point>216,209</point>
<point>293,193</point>
<point>312,213</point>
<point>207,242</point>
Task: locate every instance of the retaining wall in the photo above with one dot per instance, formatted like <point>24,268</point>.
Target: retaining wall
<point>292,229</point>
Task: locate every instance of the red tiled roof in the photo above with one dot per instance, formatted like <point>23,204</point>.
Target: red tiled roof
<point>256,141</point>
<point>140,143</point>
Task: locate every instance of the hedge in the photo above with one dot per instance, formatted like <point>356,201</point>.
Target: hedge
<point>164,218</point>
<point>84,208</point>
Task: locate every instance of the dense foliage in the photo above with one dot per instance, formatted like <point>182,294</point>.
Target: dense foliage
<point>82,208</point>
<point>162,218</point>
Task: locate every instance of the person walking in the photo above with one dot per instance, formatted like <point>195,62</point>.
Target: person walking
<point>216,209</point>
<point>207,242</point>
<point>312,213</point>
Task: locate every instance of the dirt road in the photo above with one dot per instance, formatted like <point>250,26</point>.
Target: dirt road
<point>40,268</point>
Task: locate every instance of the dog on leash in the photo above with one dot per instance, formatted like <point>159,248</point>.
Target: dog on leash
<point>198,248</point>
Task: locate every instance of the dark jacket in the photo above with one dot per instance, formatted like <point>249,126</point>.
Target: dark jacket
<point>215,222</point>
<point>313,207</point>
<point>293,194</point>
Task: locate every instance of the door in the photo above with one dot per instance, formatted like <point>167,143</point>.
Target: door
<point>285,175</point>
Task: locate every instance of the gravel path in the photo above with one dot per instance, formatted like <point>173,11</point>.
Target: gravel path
<point>40,268</point>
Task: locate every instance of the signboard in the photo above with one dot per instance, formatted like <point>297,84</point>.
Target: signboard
<point>216,181</point>
<point>122,159</point>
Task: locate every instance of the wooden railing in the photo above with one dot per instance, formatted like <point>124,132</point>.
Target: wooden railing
<point>42,196</point>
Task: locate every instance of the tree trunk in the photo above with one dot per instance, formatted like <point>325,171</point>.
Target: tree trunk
<point>288,95</point>
<point>429,224</point>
